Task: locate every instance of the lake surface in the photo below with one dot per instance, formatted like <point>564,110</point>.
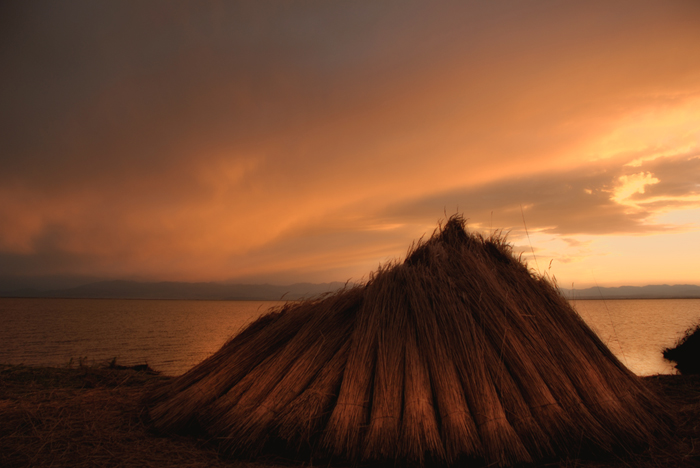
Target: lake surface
<point>173,336</point>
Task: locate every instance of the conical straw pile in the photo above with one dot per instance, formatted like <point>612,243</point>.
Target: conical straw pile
<point>458,353</point>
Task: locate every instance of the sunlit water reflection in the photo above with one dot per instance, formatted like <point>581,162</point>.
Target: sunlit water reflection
<point>637,330</point>
<point>172,336</point>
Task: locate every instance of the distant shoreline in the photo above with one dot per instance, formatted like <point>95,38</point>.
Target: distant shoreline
<point>69,298</point>
<point>632,298</point>
<point>170,290</point>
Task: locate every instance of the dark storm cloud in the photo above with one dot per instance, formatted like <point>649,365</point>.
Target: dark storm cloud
<point>679,177</point>
<point>98,91</point>
<point>204,140</point>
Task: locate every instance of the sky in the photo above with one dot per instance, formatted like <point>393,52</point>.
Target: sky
<point>282,142</point>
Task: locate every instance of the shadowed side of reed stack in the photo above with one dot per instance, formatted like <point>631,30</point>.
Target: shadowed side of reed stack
<point>617,397</point>
<point>458,353</point>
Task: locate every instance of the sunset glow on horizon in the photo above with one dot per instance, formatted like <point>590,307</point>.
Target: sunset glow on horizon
<point>280,142</point>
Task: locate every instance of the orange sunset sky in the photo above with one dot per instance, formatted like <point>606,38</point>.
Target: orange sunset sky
<point>284,142</point>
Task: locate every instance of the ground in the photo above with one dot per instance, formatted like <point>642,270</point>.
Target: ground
<point>92,417</point>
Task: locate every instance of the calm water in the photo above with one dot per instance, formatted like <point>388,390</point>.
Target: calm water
<point>172,336</point>
<point>637,330</point>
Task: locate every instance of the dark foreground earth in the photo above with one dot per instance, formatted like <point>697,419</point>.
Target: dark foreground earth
<point>92,417</point>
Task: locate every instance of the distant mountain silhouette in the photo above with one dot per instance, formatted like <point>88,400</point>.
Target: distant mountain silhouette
<point>176,290</point>
<point>660,291</point>
<point>268,292</point>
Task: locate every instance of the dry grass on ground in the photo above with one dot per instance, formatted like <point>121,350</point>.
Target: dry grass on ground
<point>86,417</point>
<point>92,417</point>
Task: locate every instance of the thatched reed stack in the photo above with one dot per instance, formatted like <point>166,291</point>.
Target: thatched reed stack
<point>460,352</point>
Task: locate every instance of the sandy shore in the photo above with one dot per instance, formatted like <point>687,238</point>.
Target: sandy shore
<point>92,417</point>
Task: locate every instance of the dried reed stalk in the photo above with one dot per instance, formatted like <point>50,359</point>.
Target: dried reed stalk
<point>384,429</point>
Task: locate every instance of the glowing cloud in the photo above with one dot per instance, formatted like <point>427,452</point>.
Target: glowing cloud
<point>311,142</point>
<point>630,185</point>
